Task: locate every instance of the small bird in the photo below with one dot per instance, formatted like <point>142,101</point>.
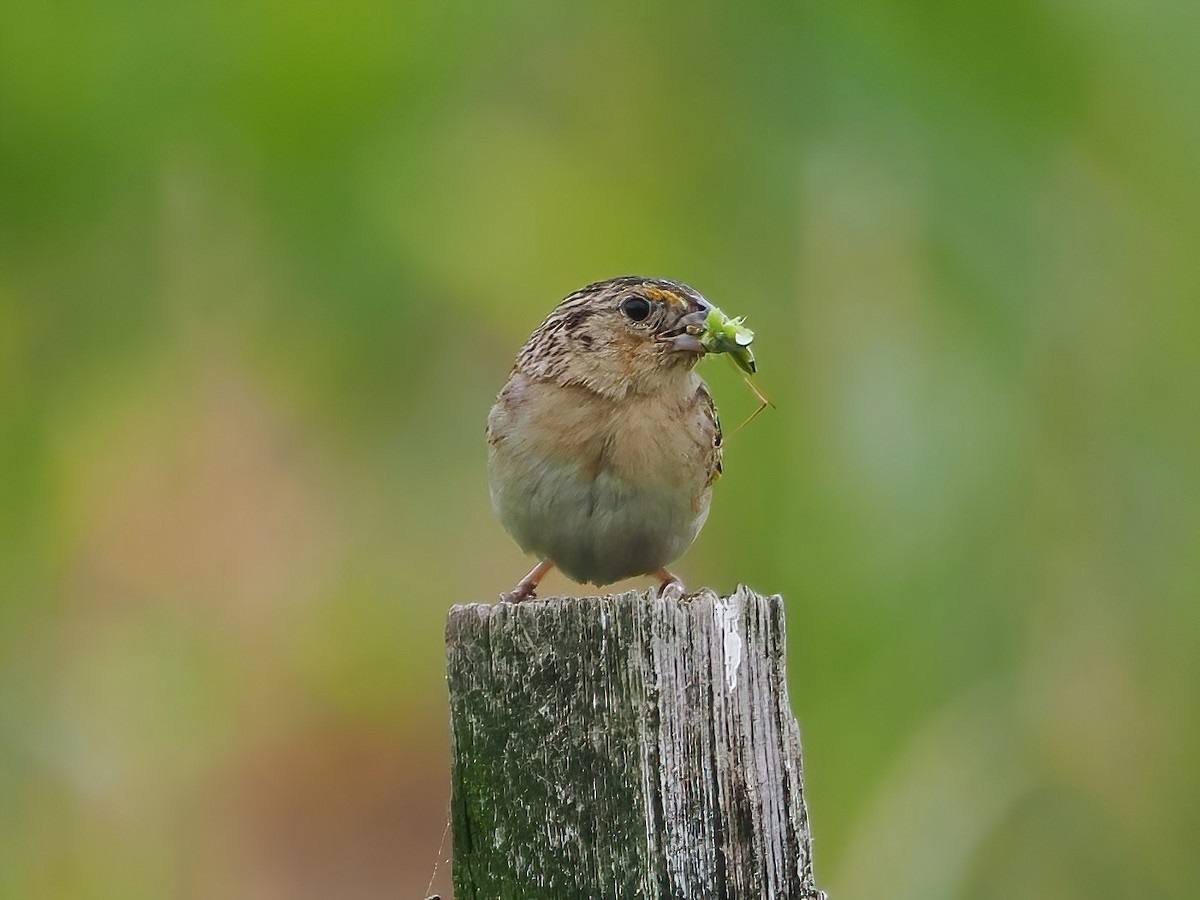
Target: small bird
<point>604,444</point>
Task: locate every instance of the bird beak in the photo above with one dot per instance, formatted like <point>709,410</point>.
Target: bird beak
<point>684,343</point>
<point>683,337</point>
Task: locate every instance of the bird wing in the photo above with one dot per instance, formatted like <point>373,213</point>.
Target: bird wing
<point>713,425</point>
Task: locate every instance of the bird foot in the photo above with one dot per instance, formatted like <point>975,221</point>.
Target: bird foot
<point>519,594</point>
<point>670,587</point>
<point>526,588</point>
<point>672,590</point>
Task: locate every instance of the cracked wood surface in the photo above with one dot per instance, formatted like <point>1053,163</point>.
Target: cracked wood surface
<point>626,747</point>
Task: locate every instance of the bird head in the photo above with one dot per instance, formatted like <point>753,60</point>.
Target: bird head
<point>621,336</point>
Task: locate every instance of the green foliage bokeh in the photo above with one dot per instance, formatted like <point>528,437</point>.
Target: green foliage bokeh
<point>263,267</point>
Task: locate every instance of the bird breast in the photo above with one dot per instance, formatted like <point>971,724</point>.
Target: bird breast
<point>604,489</point>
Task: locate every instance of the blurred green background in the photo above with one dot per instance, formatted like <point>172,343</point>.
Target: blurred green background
<point>263,267</point>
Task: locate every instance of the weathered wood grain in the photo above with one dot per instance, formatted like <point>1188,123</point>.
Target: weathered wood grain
<point>625,747</point>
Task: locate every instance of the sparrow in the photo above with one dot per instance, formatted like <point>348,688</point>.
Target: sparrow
<point>604,444</point>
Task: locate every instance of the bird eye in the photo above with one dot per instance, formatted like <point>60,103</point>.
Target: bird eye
<point>637,308</point>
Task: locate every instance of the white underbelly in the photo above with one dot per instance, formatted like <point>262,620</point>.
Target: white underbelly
<point>599,529</point>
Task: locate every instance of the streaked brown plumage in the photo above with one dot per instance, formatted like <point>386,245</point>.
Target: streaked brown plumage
<point>604,444</point>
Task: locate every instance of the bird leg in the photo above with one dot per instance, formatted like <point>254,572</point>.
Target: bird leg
<point>527,586</point>
<point>671,588</point>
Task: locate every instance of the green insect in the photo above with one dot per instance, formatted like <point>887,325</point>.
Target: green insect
<point>721,334</point>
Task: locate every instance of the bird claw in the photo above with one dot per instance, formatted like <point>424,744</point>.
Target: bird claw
<point>526,588</point>
<point>673,591</point>
<point>519,594</point>
<point>670,587</point>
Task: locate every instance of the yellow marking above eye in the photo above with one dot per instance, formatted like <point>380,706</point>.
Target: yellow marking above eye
<point>664,296</point>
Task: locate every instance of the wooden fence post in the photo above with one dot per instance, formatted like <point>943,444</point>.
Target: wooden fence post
<point>626,746</point>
